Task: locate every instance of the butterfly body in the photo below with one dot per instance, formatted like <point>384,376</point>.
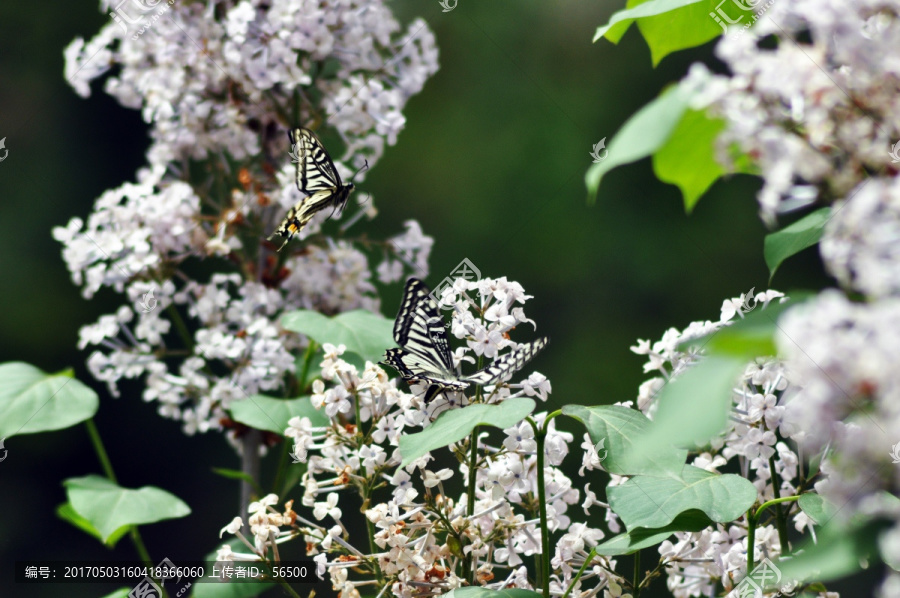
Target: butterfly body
<point>424,355</point>
<point>318,179</point>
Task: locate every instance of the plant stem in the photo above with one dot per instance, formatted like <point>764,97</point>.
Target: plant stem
<point>106,464</point>
<point>307,359</point>
<point>282,464</point>
<point>250,466</point>
<point>101,451</point>
<point>180,327</point>
<point>751,539</point>
<point>774,501</point>
<point>636,580</point>
<point>470,507</point>
<point>544,570</point>
<point>584,565</point>
<point>370,529</point>
<point>753,519</point>
<point>780,519</point>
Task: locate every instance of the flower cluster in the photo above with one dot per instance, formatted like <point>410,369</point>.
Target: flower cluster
<point>816,113</point>
<point>423,539</point>
<point>755,439</point>
<point>219,83</point>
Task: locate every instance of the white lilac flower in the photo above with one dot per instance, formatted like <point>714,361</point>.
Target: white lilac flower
<point>214,84</point>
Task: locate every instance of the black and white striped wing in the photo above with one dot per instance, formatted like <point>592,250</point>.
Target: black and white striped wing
<point>419,328</point>
<point>315,170</point>
<point>502,369</point>
<point>414,368</point>
<point>425,354</point>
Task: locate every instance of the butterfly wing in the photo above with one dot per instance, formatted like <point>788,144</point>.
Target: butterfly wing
<point>317,178</point>
<point>419,327</point>
<point>502,369</point>
<point>425,353</point>
<point>315,170</point>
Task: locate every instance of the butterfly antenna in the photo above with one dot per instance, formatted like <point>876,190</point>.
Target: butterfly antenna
<point>365,166</point>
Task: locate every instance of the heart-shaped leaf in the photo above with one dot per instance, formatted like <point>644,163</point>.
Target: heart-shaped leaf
<point>455,424</point>
<point>67,513</point>
<point>34,401</point>
<point>108,507</point>
<point>618,427</point>
<point>655,501</point>
<point>360,331</point>
<point>268,413</point>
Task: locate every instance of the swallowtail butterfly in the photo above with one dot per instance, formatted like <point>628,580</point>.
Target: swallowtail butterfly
<point>317,178</point>
<point>425,355</point>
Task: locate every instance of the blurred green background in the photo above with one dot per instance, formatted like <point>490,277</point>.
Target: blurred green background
<point>491,163</point>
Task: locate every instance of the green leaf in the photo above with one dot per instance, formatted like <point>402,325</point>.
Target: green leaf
<point>455,424</point>
<point>817,508</point>
<point>656,500</point>
<point>840,549</point>
<point>268,413</point>
<point>688,158</point>
<point>476,592</point>
<point>235,474</point>
<point>108,507</point>
<point>753,335</point>
<point>34,401</point>
<point>687,26</point>
<point>692,409</point>
<point>67,513</point>
<point>793,239</point>
<point>645,132</point>
<point>620,22</point>
<point>360,331</point>
<point>120,593</point>
<point>618,427</point>
<point>642,537</point>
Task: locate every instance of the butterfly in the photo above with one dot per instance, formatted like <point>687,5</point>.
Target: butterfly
<point>317,178</point>
<point>425,355</point>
